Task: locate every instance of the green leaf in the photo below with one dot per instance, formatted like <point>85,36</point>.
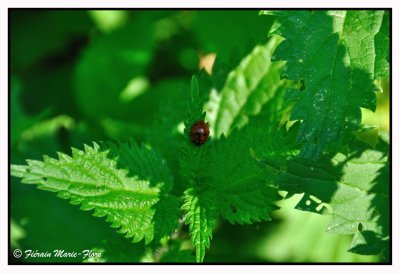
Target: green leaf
<point>225,171</point>
<point>201,218</point>
<point>164,130</point>
<point>332,54</point>
<point>196,110</point>
<point>359,30</point>
<point>148,165</point>
<point>247,88</point>
<point>353,189</point>
<point>300,236</point>
<point>382,45</point>
<point>45,136</point>
<point>48,127</point>
<point>233,183</point>
<point>123,182</point>
<point>190,154</point>
<point>242,185</point>
<point>368,134</point>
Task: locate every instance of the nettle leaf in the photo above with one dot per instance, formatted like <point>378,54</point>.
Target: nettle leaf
<point>127,183</point>
<point>164,134</point>
<point>247,88</point>
<point>352,188</point>
<point>229,180</point>
<point>201,217</point>
<point>382,42</point>
<point>225,174</point>
<point>244,194</point>
<point>332,55</point>
<point>190,153</point>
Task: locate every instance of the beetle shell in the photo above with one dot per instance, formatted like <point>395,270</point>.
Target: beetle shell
<point>199,133</point>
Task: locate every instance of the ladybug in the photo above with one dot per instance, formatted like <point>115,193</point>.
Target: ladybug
<point>199,133</point>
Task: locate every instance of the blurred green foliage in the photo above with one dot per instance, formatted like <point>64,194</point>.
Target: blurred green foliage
<point>79,76</point>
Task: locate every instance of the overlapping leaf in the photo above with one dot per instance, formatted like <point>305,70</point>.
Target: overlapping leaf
<point>353,189</point>
<point>126,183</point>
<point>226,178</point>
<point>332,55</point>
<point>382,43</point>
<point>247,88</point>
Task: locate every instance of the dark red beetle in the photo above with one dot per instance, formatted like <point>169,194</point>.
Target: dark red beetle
<point>199,133</point>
